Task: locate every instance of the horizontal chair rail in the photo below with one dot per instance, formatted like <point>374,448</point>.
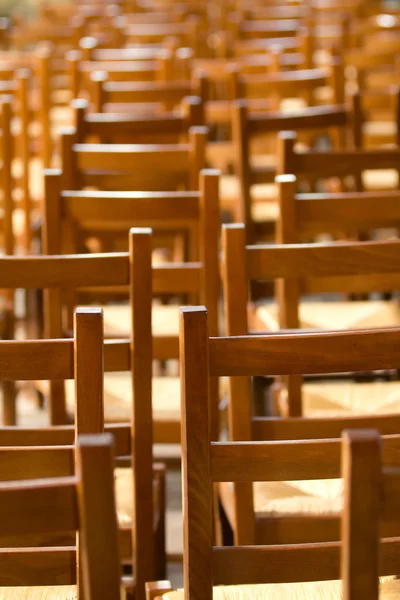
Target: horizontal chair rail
<point>117,124</point>
<point>76,271</point>
<point>132,206</point>
<point>305,354</point>
<point>343,162</point>
<point>322,260</point>
<point>52,506</point>
<point>38,566</point>
<point>273,461</point>
<point>290,428</point>
<point>331,213</point>
<point>275,564</point>
<point>312,117</point>
<point>62,435</point>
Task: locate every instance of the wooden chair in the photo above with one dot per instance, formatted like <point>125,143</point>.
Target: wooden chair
<point>6,158</point>
<point>358,163</point>
<point>110,166</point>
<point>113,213</point>
<point>177,167</point>
<point>304,217</point>
<point>31,33</point>
<point>264,93</point>
<point>141,496</point>
<point>20,87</point>
<point>7,227</point>
<point>280,85</point>
<point>136,96</point>
<point>187,33</point>
<point>248,127</point>
<point>88,75</point>
<point>308,269</point>
<point>245,29</point>
<point>379,122</point>
<point>60,490</point>
<point>118,128</point>
<point>207,462</point>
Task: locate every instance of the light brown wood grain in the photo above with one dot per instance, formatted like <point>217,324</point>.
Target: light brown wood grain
<point>361,470</point>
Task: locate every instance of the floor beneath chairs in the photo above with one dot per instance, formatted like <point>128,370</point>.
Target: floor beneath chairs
<point>30,415</point>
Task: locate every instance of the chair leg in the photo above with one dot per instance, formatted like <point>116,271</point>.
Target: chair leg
<point>160,561</point>
<point>58,414</point>
<point>155,589</point>
<point>9,403</point>
<point>9,387</point>
<point>226,529</point>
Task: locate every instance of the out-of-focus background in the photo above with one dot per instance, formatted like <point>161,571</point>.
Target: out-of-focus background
<point>23,7</point>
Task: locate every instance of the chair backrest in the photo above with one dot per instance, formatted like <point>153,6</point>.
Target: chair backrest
<point>370,484</point>
<point>206,462</point>
<point>248,29</point>
<point>332,163</point>
<point>305,216</point>
<point>301,269</point>
<point>6,157</point>
<point>56,360</point>
<point>131,96</point>
<point>97,211</point>
<point>186,32</point>
<point>248,126</point>
<point>287,84</point>
<point>118,128</point>
<point>72,216</point>
<point>142,167</point>
<point>87,73</point>
<point>35,362</point>
<point>69,492</point>
<point>379,121</point>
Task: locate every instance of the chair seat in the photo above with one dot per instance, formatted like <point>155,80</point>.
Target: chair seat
<point>380,180</point>
<point>334,399</point>
<point>118,398</point>
<point>335,315</point>
<point>291,498</point>
<point>166,398</point>
<point>54,592</point>
<point>230,192</point>
<point>320,497</point>
<point>265,212</point>
<point>313,590</point>
<point>379,132</point>
<point>117,319</point>
<point>123,481</point>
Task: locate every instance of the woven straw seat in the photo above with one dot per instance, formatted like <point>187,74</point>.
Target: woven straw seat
<point>336,315</point>
<point>291,498</point>
<point>118,397</point>
<point>321,400</point>
<point>124,496</point>
<point>314,590</point>
<point>380,180</point>
<point>54,592</point>
<point>336,399</point>
<point>117,319</point>
<point>230,192</point>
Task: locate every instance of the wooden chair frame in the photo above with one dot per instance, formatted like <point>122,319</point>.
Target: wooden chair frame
<point>245,126</point>
<point>71,493</point>
<point>297,269</point>
<point>140,129</point>
<point>206,461</point>
<point>83,357</point>
<point>109,166</point>
<point>172,209</point>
